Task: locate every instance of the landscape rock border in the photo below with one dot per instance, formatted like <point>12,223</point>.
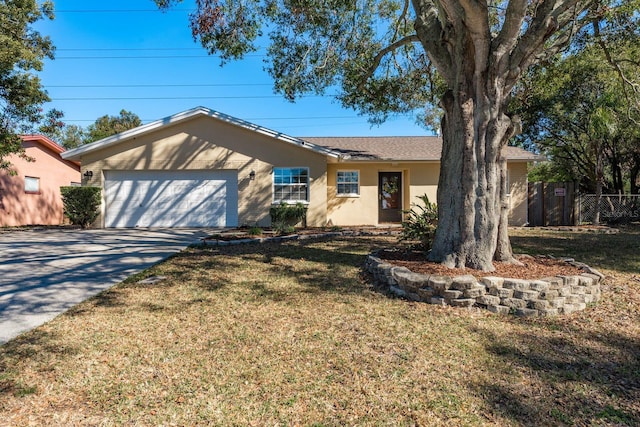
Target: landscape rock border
<point>208,241</point>
<point>548,296</point>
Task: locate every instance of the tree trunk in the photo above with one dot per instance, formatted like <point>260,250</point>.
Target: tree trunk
<point>599,182</point>
<point>633,174</point>
<point>472,218</point>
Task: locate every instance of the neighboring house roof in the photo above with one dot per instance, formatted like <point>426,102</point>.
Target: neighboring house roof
<point>47,143</point>
<point>394,148</point>
<point>400,148</point>
<point>190,114</point>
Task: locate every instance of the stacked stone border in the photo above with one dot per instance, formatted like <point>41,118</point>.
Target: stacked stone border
<point>277,239</point>
<point>549,296</point>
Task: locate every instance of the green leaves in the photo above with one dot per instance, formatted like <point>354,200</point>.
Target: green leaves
<point>106,125</point>
<point>81,204</point>
<point>22,51</point>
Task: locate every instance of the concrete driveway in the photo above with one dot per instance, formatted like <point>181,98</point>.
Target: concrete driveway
<point>45,272</point>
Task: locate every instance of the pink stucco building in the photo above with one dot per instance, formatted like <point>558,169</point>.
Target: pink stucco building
<point>32,197</point>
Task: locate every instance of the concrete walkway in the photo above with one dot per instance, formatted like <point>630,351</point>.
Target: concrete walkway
<point>45,272</point>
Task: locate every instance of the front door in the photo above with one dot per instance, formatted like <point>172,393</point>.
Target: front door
<point>390,197</point>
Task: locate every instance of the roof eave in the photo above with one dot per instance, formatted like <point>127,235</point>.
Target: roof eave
<point>76,153</point>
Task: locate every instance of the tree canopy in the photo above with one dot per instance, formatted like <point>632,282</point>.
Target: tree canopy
<point>107,125</point>
<point>395,56</point>
<point>584,116</point>
<point>22,51</point>
<point>72,136</point>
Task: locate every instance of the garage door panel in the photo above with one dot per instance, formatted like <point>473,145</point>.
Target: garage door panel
<point>171,199</point>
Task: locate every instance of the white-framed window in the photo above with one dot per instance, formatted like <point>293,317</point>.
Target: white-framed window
<point>31,184</point>
<point>348,183</point>
<point>291,184</point>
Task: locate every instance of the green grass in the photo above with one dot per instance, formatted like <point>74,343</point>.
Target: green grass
<point>291,334</point>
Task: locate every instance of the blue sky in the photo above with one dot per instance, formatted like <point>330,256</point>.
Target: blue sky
<point>128,55</point>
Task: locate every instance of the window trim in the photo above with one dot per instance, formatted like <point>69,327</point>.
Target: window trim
<point>292,201</point>
<point>338,193</point>
<point>37,180</point>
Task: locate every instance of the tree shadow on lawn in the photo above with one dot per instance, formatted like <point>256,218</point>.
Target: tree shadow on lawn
<point>337,257</point>
<point>607,251</point>
<point>578,377</point>
<point>37,347</point>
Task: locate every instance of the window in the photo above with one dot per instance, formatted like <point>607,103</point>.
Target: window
<point>348,183</point>
<point>31,184</point>
<point>290,184</point>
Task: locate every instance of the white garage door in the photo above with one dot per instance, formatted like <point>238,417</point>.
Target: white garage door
<point>171,198</point>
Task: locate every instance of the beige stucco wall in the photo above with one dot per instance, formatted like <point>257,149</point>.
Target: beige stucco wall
<point>518,193</point>
<point>204,143</point>
<point>45,207</point>
<point>417,178</point>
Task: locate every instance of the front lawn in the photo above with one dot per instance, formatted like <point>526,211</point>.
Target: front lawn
<point>290,334</point>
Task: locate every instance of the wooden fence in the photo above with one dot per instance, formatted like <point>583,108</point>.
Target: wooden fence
<point>553,203</point>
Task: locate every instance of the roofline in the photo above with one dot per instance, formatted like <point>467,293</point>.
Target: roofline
<point>188,114</point>
<point>387,160</point>
<point>44,141</point>
<point>50,144</point>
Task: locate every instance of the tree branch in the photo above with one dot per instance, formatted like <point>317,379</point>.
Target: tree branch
<point>550,16</point>
<point>413,38</point>
<point>626,82</point>
<point>430,30</point>
<point>508,36</point>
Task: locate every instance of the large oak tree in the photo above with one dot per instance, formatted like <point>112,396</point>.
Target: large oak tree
<point>22,51</point>
<point>391,56</point>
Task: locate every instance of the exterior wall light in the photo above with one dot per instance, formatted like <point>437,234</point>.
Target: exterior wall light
<point>252,175</point>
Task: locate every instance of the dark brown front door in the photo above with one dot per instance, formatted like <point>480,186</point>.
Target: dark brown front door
<point>390,197</point>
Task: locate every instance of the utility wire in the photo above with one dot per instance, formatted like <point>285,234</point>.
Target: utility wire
<point>153,57</point>
<point>161,85</point>
<point>247,119</point>
<point>178,97</point>
<point>120,10</point>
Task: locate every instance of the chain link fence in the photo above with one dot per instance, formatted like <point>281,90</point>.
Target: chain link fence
<point>614,208</point>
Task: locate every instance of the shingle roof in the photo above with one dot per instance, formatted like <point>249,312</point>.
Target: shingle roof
<point>401,148</point>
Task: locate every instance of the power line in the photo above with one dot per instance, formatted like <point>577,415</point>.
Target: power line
<point>102,49</point>
<point>161,85</point>
<point>159,98</point>
<point>121,10</point>
<point>152,57</point>
<point>249,118</point>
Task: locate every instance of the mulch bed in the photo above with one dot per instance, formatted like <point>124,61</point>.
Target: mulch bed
<point>534,267</point>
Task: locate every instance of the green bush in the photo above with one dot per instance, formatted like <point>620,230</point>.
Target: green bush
<point>420,223</point>
<point>81,204</point>
<point>285,216</point>
<point>255,231</point>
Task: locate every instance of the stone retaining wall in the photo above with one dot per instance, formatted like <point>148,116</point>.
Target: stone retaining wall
<point>548,296</point>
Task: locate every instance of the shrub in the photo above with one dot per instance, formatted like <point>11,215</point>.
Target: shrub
<point>420,223</point>
<point>81,204</point>
<point>284,216</point>
<point>255,231</point>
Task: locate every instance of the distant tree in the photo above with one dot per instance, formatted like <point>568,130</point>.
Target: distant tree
<point>52,125</point>
<point>575,111</point>
<point>73,136</point>
<point>106,125</point>
<point>393,56</point>
<point>22,51</point>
